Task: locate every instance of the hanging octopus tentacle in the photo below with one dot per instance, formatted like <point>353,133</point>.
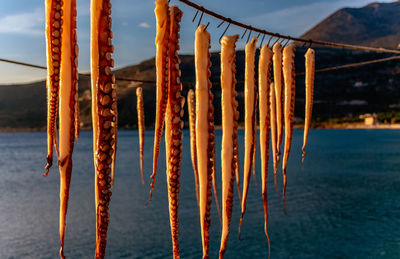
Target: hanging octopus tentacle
<point>264,68</point>
<point>192,127</point>
<point>273,132</point>
<point>236,148</point>
<point>289,76</point>
<point>212,145</point>
<point>229,133</point>
<point>310,70</point>
<point>140,117</point>
<point>277,60</point>
<point>76,97</point>
<point>250,101</point>
<point>104,116</point>
<point>174,124</point>
<point>205,139</point>
<point>162,43</point>
<point>255,141</point>
<point>114,109</point>
<point>67,91</point>
<point>54,20</point>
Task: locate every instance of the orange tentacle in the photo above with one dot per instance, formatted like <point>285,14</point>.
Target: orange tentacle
<point>104,116</point>
<point>249,120</point>
<point>310,70</point>
<point>205,139</point>
<point>255,146</point>
<point>193,151</point>
<point>68,90</point>
<point>54,16</point>
<point>174,124</point>
<point>264,68</point>
<point>273,132</point>
<point>278,78</point>
<point>141,126</point>
<point>229,133</point>
<point>289,76</point>
<point>162,40</point>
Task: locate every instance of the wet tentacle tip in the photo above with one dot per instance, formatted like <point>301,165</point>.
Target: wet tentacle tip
<point>62,253</point>
<point>240,225</point>
<point>283,196</point>
<point>221,254</point>
<point>47,167</point>
<point>269,243</point>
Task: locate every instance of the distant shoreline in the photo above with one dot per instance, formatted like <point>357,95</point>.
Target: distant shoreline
<point>218,127</point>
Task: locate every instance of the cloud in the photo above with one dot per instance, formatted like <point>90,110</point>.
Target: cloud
<point>23,23</point>
<point>144,25</point>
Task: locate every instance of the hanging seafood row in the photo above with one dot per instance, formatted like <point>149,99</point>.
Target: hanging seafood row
<point>276,108</point>
<point>62,90</point>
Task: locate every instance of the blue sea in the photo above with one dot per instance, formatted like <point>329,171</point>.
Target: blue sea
<point>344,202</point>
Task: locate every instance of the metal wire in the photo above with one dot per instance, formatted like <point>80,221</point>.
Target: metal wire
<point>288,37</point>
<point>359,64</point>
<point>189,84</point>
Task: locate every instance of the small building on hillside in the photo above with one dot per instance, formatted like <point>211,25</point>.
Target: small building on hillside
<point>369,119</point>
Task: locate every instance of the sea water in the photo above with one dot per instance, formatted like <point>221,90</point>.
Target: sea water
<point>344,202</point>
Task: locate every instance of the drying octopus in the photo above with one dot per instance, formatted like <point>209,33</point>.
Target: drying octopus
<point>250,119</point>
<point>173,126</point>
<point>162,41</point>
<point>193,150</point>
<point>62,83</point>
<point>255,147</point>
<point>141,127</point>
<point>272,112</point>
<point>264,68</point>
<point>277,64</point>
<point>230,116</point>
<point>205,138</point>
<point>104,116</point>
<point>310,70</point>
<point>289,77</point>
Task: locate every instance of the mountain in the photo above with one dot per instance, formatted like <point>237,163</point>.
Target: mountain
<point>342,93</point>
<point>375,25</point>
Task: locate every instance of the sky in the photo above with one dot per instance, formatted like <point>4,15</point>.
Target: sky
<point>22,22</point>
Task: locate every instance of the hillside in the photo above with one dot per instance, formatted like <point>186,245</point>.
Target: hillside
<point>373,88</point>
<point>376,25</point>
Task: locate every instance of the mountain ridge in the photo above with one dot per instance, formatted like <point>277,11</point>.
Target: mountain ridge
<point>374,25</point>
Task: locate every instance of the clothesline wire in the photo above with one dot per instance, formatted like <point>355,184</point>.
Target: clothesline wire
<point>280,36</point>
<point>358,64</point>
<point>327,69</point>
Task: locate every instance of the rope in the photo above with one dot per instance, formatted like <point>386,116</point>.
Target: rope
<point>288,37</point>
